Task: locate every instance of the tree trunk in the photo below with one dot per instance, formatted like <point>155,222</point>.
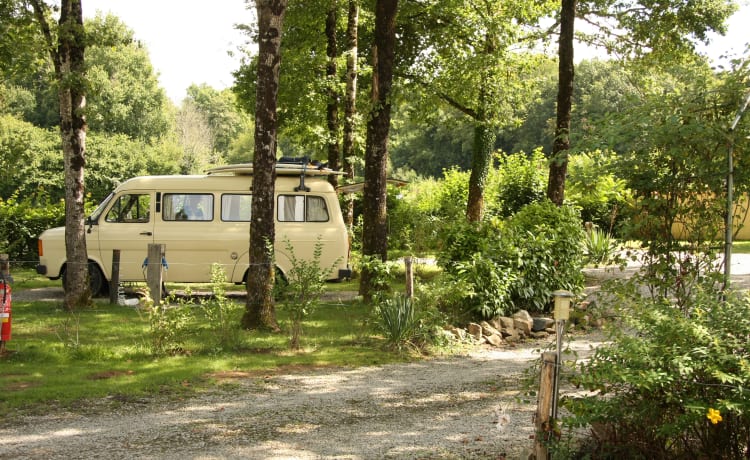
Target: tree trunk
<point>350,104</point>
<point>375,230</point>
<point>260,312</point>
<point>332,107</point>
<point>68,61</point>
<point>484,143</point>
<point>558,168</point>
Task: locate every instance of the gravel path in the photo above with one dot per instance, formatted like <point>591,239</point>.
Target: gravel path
<point>456,408</point>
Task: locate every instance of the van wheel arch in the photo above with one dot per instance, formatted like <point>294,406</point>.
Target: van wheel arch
<point>281,281</point>
<point>98,284</point>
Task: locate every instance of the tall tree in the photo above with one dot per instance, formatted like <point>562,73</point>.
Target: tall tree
<point>375,230</point>
<point>332,82</point>
<point>558,167</point>
<point>260,311</point>
<point>67,55</point>
<point>467,53</point>
<point>660,31</point>
<point>350,102</point>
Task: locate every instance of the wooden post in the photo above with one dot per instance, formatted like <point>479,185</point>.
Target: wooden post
<point>409,277</point>
<point>5,266</point>
<point>114,282</point>
<point>154,271</point>
<point>544,406</point>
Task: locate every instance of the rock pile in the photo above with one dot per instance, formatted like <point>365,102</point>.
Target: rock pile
<point>505,330</point>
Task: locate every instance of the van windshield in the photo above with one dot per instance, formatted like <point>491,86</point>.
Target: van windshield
<point>98,211</point>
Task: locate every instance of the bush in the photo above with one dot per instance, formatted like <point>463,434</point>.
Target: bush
<point>516,264</point>
<point>306,283</point>
<point>21,223</point>
<point>222,315</point>
<point>522,181</point>
<point>602,197</point>
<point>404,323</point>
<point>673,386</point>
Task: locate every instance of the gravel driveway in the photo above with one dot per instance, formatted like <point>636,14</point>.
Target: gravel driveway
<point>461,407</point>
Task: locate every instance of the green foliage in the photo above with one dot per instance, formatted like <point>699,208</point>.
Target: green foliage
<point>222,315</point>
<point>522,180</point>
<point>168,326</point>
<point>663,373</point>
<point>489,286</point>
<point>381,273</point>
<point>124,96</point>
<point>549,255</point>
<point>592,186</point>
<point>406,322</point>
<point>599,246</point>
<point>306,283</point>
<point>506,266</point>
<point>21,223</point>
<point>396,319</point>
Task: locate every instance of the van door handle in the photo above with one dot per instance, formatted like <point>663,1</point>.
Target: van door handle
<point>146,233</point>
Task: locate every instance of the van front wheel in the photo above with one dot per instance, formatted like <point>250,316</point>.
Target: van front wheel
<point>97,283</point>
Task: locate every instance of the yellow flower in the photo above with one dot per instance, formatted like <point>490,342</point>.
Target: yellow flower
<point>714,416</point>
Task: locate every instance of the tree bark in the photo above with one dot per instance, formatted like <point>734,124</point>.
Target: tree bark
<point>375,231</point>
<point>484,143</point>
<point>350,103</point>
<point>332,107</point>
<point>558,168</point>
<point>260,312</point>
<point>68,60</point>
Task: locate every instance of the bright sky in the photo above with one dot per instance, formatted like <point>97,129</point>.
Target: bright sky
<point>189,40</point>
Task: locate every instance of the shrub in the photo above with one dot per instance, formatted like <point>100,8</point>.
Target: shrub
<point>674,385</point>
<point>549,256</point>
<point>591,185</point>
<point>168,326</point>
<point>21,223</point>
<point>222,315</point>
<point>522,181</point>
<point>404,322</point>
<point>306,283</point>
<point>506,266</point>
<point>599,246</point>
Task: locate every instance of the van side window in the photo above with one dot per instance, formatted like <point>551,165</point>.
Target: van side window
<point>316,209</point>
<point>130,209</point>
<point>188,206</point>
<point>236,208</point>
<point>300,208</point>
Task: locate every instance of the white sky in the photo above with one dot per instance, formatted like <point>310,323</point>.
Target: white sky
<point>189,40</point>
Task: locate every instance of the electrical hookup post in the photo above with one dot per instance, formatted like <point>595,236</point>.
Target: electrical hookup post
<point>546,413</point>
<point>5,299</point>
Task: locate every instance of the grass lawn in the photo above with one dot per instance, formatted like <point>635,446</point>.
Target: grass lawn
<point>61,358</point>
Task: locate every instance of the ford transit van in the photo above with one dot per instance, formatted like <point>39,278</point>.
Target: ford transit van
<point>204,220</point>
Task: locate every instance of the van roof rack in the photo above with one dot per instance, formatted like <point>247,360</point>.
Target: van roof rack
<point>285,166</point>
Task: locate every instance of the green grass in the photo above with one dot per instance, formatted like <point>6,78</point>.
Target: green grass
<point>741,247</point>
<point>59,358</point>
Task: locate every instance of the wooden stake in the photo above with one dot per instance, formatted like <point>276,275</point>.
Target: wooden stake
<point>114,282</point>
<point>154,271</point>
<point>543,424</point>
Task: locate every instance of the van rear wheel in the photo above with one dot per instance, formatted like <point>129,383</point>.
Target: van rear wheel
<point>97,283</point>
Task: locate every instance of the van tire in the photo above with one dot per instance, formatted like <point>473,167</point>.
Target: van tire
<point>279,287</point>
<point>97,284</point>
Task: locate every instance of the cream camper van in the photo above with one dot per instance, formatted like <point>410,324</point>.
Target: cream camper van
<point>202,220</point>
